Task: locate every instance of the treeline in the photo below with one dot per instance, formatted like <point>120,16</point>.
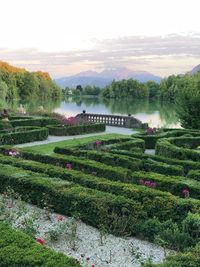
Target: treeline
<point>18,83</point>
<point>117,89</point>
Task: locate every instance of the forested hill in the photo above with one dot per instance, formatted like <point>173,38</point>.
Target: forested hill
<point>18,83</point>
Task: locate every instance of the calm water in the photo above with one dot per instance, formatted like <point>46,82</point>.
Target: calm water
<point>154,112</point>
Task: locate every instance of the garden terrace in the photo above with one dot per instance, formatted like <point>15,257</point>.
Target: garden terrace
<point>112,120</point>
<point>108,181</point>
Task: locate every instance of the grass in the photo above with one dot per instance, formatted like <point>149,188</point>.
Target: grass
<point>49,148</point>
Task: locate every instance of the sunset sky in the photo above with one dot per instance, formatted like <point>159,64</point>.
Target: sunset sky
<point>64,37</point>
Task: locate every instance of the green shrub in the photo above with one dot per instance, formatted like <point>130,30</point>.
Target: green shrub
<point>171,148</point>
<point>24,135</point>
<point>194,174</point>
<point>17,249</point>
<point>76,129</point>
<point>33,121</point>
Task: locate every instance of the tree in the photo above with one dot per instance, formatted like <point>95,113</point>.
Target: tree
<point>3,90</point>
<point>188,106</point>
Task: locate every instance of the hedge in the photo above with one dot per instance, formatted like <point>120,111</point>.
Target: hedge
<point>194,174</point>
<point>87,166</point>
<point>92,206</point>
<point>17,249</point>
<point>122,160</point>
<point>155,202</point>
<point>151,140</point>
<point>34,121</point>
<point>76,129</point>
<point>25,135</point>
<point>103,157</point>
<point>133,143</point>
<point>190,258</point>
<point>168,148</point>
<point>129,190</point>
<point>172,184</point>
<point>186,164</point>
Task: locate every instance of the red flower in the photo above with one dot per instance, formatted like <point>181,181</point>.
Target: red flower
<point>41,240</point>
<point>93,265</point>
<point>88,258</point>
<point>60,218</point>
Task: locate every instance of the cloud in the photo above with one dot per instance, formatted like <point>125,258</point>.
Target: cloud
<point>134,51</point>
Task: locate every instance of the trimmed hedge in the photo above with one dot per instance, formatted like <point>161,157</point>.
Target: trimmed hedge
<point>122,160</point>
<point>103,157</point>
<point>93,207</point>
<point>128,145</point>
<point>17,249</point>
<point>194,174</point>
<point>169,148</point>
<point>117,213</point>
<point>190,258</point>
<point>40,122</point>
<point>155,202</point>
<point>25,135</point>
<point>172,184</point>
<point>151,140</point>
<point>87,166</point>
<point>186,164</point>
<point>76,129</point>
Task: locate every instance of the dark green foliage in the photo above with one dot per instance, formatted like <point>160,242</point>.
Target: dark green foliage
<point>175,148</point>
<point>19,250</point>
<point>76,129</point>
<point>24,135</point>
<point>190,258</point>
<point>126,88</point>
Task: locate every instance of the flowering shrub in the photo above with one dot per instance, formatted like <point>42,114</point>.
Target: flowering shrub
<point>12,152</point>
<point>40,240</point>
<point>147,183</point>
<point>70,120</point>
<point>185,192</point>
<point>68,166</point>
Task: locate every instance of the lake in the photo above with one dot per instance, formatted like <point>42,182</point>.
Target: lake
<point>157,114</point>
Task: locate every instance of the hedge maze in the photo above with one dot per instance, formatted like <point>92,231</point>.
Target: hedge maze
<point>114,184</point>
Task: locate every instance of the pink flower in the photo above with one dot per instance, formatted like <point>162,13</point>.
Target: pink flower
<point>88,258</point>
<point>97,143</point>
<point>60,218</point>
<point>41,240</point>
<point>68,166</point>
<point>93,265</point>
<point>185,192</point>
<point>10,205</point>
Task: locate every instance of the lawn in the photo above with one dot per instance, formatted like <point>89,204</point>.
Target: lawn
<point>49,148</point>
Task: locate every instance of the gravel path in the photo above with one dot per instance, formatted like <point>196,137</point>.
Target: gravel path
<point>81,241</point>
<point>52,139</point>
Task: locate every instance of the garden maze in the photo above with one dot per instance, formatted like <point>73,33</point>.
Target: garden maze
<point>114,184</point>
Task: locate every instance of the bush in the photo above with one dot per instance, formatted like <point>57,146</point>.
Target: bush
<point>18,250</point>
<point>194,174</point>
<point>151,140</point>
<point>76,129</point>
<point>33,121</point>
<point>24,135</point>
<point>170,148</point>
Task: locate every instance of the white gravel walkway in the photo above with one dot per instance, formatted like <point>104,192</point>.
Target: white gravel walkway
<point>82,241</point>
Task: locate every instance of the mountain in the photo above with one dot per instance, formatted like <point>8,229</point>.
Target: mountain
<point>195,69</point>
<point>105,77</point>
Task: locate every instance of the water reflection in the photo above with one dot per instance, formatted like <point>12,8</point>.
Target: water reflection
<point>153,112</point>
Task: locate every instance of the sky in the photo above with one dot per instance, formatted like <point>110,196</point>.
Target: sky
<point>64,37</point>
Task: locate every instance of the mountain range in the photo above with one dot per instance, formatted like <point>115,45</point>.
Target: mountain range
<point>105,77</point>
<point>195,70</point>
